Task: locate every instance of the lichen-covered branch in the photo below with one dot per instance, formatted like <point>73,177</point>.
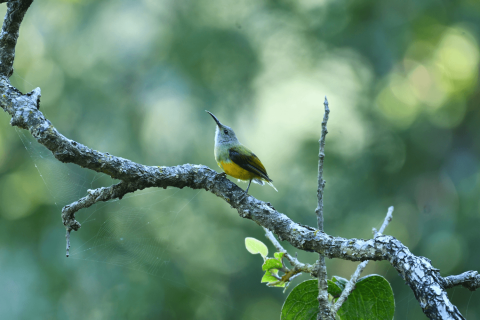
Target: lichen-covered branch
<point>424,280</point>
<point>10,30</point>
<point>387,220</point>
<point>321,158</point>
<point>323,302</point>
<point>469,280</point>
<point>116,191</point>
<point>353,280</point>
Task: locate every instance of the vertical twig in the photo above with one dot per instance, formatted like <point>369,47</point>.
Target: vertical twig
<point>324,305</point>
<point>67,236</point>
<point>387,220</point>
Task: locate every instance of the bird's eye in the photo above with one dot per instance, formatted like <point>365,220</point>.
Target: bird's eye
<point>225,131</point>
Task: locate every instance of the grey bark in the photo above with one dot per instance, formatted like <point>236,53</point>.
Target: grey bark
<point>325,311</point>
<point>10,30</point>
<point>424,280</point>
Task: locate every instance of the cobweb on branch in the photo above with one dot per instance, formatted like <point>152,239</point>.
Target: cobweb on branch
<point>134,237</point>
<point>132,233</point>
<point>64,182</point>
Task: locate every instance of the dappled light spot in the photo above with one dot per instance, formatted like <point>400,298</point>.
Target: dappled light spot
<point>430,84</point>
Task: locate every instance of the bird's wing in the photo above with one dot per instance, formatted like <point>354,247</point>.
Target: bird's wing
<point>248,161</point>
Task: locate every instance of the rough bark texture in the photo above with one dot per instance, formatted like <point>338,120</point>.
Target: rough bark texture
<point>10,30</point>
<point>325,311</point>
<point>425,281</point>
<point>469,280</point>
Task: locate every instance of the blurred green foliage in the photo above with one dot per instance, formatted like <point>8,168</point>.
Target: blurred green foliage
<point>133,78</point>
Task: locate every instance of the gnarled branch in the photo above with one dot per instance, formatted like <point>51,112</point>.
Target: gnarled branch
<point>469,280</point>
<point>424,280</point>
<point>10,30</point>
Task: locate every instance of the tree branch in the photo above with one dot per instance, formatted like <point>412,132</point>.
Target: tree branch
<point>116,191</point>
<point>387,220</point>
<point>321,158</point>
<point>324,304</point>
<point>424,280</point>
<point>469,280</point>
<point>10,30</point>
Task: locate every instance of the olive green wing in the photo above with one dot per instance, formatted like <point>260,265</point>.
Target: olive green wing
<point>247,160</point>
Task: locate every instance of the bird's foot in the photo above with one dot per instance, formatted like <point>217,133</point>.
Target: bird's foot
<point>220,175</point>
<point>249,183</point>
<point>270,205</point>
<point>243,196</point>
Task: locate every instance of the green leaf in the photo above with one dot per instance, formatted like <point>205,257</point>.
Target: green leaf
<point>268,277</point>
<point>301,303</point>
<point>272,281</point>
<point>271,264</point>
<point>340,282</point>
<point>279,255</point>
<point>334,289</point>
<point>372,299</point>
<point>255,246</point>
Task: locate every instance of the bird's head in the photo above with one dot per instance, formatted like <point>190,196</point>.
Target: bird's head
<point>223,134</point>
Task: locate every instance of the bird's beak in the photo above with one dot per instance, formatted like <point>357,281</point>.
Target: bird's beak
<point>214,118</point>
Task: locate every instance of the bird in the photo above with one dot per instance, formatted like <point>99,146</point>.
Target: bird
<point>235,159</point>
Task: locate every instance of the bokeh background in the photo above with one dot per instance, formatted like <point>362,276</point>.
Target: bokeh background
<point>133,78</point>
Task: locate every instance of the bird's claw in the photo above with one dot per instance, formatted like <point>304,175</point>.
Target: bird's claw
<point>220,175</point>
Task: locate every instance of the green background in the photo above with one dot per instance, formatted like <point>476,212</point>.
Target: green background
<point>133,78</point>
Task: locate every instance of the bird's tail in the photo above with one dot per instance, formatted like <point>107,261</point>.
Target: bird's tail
<point>262,182</point>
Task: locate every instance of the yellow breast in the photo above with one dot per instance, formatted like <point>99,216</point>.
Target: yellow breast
<point>234,170</point>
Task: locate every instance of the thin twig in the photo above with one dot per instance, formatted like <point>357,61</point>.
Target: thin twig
<point>116,191</point>
<point>67,236</point>
<point>302,267</point>
<point>324,304</point>
<point>321,157</point>
<point>387,220</point>
<point>353,280</point>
